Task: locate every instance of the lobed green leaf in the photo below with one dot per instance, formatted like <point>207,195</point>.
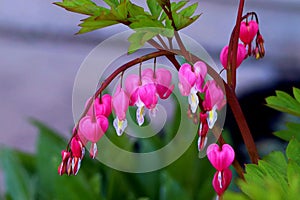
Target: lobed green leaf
<point>86,7</point>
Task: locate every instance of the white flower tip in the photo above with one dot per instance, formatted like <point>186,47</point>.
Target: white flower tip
<point>140,112</point>
<point>212,118</point>
<point>119,126</point>
<point>193,100</point>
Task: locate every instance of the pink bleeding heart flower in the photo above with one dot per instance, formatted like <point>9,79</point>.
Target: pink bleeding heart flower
<point>62,168</point>
<point>214,96</point>
<point>241,55</point>
<point>77,147</point>
<point>203,130</point>
<point>142,92</point>
<point>248,30</point>
<point>162,79</point>
<point>120,103</point>
<point>92,129</point>
<point>200,70</point>
<point>220,158</point>
<point>101,107</point>
<point>190,82</point>
<point>187,79</point>
<point>222,180</point>
<point>76,162</point>
<point>213,100</point>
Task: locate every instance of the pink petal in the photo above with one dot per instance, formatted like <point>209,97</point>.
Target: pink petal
<point>214,96</point>
<point>187,79</point>
<point>148,73</point>
<point>163,83</point>
<point>147,94</point>
<point>91,129</point>
<point>103,108</point>
<point>132,83</point>
<point>120,103</point>
<point>200,70</point>
<point>76,147</point>
<point>220,158</point>
<point>241,55</point>
<point>222,180</point>
<point>248,31</point>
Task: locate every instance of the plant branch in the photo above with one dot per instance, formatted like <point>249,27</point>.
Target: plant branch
<point>233,48</point>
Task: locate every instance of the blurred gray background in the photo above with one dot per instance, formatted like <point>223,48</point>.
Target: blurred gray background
<point>40,55</point>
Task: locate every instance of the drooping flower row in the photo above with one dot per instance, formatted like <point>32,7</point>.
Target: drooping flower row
<point>248,31</point>
<point>143,91</point>
<point>192,82</point>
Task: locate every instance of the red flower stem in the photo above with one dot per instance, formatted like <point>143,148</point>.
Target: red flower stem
<point>233,47</point>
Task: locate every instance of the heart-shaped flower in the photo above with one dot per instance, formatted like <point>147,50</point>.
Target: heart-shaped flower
<point>220,158</point>
<point>241,55</point>
<point>102,107</point>
<point>187,79</point>
<point>248,30</point>
<point>92,129</point>
<point>222,180</point>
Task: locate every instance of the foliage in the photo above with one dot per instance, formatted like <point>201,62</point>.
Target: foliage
<point>34,176</point>
<point>277,176</point>
<point>286,103</point>
<point>162,17</point>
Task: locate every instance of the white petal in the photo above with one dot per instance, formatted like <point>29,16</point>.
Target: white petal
<point>140,112</point>
<point>220,179</point>
<point>93,150</point>
<point>119,125</point>
<point>193,100</point>
<point>212,117</point>
<point>204,144</point>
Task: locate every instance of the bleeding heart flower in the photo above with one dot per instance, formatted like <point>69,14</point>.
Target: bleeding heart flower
<point>100,108</point>
<point>120,103</point>
<point>142,92</point>
<point>162,79</point>
<point>222,180</point>
<point>214,96</point>
<point>248,30</point>
<point>77,147</point>
<point>191,81</point>
<point>220,158</point>
<point>241,55</point>
<point>187,79</point>
<point>92,128</point>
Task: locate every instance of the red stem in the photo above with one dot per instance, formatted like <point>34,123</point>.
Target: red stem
<point>233,47</point>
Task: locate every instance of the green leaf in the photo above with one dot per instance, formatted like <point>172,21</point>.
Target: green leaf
<point>293,151</point>
<point>154,8</point>
<point>274,175</point>
<point>189,11</point>
<point>139,38</point>
<point>292,131</point>
<point>121,11</point>
<point>293,179</point>
<point>175,6</point>
<point>170,189</point>
<point>112,3</point>
<point>284,103</point>
<point>17,180</point>
<point>277,160</point>
<point>135,10</point>
<point>229,195</point>
<point>94,23</point>
<point>296,93</point>
<point>86,7</point>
